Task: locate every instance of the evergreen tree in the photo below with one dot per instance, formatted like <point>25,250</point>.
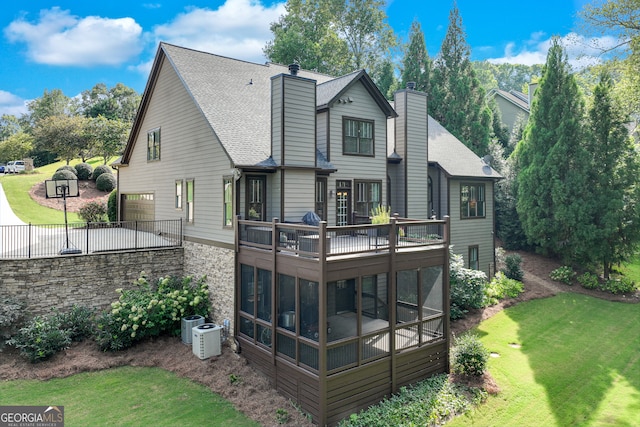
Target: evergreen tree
<point>553,193</point>
<point>416,60</point>
<point>614,190</point>
<point>457,100</point>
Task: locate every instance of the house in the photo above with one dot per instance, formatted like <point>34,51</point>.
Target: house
<point>275,171</point>
<point>461,185</point>
<point>513,104</point>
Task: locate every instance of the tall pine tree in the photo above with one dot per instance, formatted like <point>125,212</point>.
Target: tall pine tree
<point>416,63</point>
<point>553,193</point>
<point>614,190</point>
<point>457,100</point>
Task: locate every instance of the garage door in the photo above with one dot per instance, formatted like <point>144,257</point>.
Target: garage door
<point>138,207</point>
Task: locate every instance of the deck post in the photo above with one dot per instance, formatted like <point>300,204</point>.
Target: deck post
<point>393,292</point>
<point>447,291</point>
<point>322,321</point>
<point>275,239</point>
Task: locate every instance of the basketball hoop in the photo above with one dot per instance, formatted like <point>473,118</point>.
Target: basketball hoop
<point>61,189</point>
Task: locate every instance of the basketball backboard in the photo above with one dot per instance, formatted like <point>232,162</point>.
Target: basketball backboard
<point>61,188</point>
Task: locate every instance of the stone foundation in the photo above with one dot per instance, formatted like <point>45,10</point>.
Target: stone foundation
<point>218,264</point>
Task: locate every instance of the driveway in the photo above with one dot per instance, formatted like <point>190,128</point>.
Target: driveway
<point>7,217</point>
<point>44,241</point>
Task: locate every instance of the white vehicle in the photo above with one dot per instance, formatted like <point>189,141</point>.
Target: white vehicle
<point>15,166</point>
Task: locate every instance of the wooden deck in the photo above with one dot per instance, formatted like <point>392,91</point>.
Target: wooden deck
<point>372,344</point>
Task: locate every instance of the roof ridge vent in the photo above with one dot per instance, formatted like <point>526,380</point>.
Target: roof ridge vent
<point>293,69</point>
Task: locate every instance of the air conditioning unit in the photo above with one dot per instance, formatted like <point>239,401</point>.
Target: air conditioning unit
<point>188,323</point>
<point>207,340</point>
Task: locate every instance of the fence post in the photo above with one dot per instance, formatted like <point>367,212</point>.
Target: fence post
<point>88,226</point>
<point>136,238</point>
<point>29,252</point>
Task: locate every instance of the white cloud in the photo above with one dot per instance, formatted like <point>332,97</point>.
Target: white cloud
<point>59,38</point>
<point>12,104</point>
<point>581,51</point>
<point>238,29</point>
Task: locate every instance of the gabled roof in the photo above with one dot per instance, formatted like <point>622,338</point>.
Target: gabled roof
<point>455,158</point>
<point>330,92</point>
<point>518,99</point>
<point>234,97</point>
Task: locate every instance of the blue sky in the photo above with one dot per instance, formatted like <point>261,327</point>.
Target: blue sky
<point>73,44</point>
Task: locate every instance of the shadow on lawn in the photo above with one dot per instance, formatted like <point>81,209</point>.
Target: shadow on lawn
<point>579,348</point>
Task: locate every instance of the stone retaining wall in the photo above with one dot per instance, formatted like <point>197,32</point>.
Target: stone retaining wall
<point>218,265</point>
<point>86,280</point>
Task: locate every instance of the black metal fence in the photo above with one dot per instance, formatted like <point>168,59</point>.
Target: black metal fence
<point>45,240</point>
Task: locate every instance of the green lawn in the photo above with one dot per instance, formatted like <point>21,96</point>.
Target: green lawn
<point>632,269</point>
<point>127,396</point>
<point>570,360</point>
<point>16,188</point>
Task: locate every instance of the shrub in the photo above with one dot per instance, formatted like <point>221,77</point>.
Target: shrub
<point>11,314</point>
<point>63,174</point>
<point>467,287</point>
<point>148,311</point>
<point>469,356</point>
<point>99,170</point>
<point>512,268</point>
<point>84,171</point>
<point>106,182</point>
<point>112,206</point>
<point>429,402</point>
<point>564,274</point>
<point>79,321</point>
<point>623,285</point>
<point>501,287</point>
<point>588,280</point>
<point>67,168</point>
<point>93,212</point>
<point>41,338</point>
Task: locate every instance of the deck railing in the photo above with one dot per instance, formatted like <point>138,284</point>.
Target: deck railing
<point>319,241</point>
<point>45,240</point>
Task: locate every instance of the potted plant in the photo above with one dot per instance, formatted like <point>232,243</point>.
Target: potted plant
<point>380,215</point>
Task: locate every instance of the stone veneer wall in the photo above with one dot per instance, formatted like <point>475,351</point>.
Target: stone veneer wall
<point>218,264</point>
<point>86,280</point>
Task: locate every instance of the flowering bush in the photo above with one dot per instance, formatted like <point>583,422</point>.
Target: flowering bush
<point>150,311</point>
<point>93,211</point>
<point>564,274</point>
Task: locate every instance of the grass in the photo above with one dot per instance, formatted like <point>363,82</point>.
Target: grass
<point>16,188</point>
<point>127,396</point>
<point>632,269</point>
<point>570,360</point>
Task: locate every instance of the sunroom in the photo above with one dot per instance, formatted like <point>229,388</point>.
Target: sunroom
<point>339,317</point>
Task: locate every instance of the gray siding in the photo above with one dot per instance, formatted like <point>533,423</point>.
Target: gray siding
<point>188,150</point>
<point>509,112</point>
<point>473,232</point>
<point>300,122</point>
<point>321,133</point>
<point>300,193</point>
<point>357,167</point>
<point>277,84</point>
<point>416,155</point>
